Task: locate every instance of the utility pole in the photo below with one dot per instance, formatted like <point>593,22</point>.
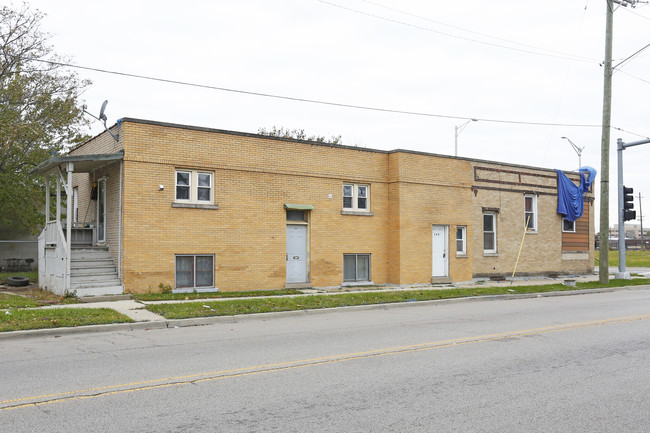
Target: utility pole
<point>603,263</point>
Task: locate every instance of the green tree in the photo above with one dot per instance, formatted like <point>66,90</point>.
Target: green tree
<point>39,114</point>
<point>298,134</point>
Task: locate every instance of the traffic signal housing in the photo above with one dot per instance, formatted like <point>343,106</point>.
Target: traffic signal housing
<point>629,213</point>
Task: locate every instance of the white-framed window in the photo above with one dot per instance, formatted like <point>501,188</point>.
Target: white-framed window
<point>356,197</point>
<point>461,240</point>
<point>490,232</point>
<point>194,271</point>
<point>194,186</point>
<point>356,267</point>
<point>568,226</point>
<point>530,212</point>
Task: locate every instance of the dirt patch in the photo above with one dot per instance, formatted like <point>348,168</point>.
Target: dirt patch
<point>32,291</point>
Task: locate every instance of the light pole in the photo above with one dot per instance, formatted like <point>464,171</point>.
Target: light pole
<point>458,129</point>
<point>577,149</point>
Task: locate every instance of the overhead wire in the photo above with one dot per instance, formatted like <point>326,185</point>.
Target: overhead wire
<point>563,55</point>
<point>628,58</point>
<point>313,101</point>
<point>566,80</point>
<point>492,44</point>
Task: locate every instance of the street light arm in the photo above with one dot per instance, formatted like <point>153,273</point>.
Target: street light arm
<point>460,128</point>
<point>457,131</point>
<point>575,146</point>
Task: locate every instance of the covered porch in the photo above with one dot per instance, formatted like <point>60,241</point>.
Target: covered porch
<point>74,256</point>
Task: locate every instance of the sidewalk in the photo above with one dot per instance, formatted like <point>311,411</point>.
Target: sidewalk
<point>136,310</point>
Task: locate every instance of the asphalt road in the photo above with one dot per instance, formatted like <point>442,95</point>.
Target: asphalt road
<point>559,364</point>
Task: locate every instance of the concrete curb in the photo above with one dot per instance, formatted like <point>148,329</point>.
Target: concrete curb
<point>242,318</point>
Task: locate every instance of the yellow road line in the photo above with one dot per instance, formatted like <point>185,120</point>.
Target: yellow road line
<point>124,388</point>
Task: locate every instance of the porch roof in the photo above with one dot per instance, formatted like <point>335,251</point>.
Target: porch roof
<point>82,163</point>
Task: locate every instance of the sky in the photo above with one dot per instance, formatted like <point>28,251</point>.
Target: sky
<point>529,72</point>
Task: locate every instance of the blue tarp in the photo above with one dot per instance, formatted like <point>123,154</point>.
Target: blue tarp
<point>569,195</point>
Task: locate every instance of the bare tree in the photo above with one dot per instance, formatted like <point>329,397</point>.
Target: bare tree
<point>298,134</point>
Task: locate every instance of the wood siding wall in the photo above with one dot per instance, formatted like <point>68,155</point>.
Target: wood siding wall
<point>578,241</point>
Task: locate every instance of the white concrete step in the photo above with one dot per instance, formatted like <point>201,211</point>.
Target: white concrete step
<point>98,290</point>
<point>98,275</point>
<point>90,284</point>
<point>90,255</point>
<point>91,270</point>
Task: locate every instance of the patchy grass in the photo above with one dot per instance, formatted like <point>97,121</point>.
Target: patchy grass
<point>310,302</point>
<point>15,301</point>
<point>23,319</point>
<point>211,295</point>
<point>633,258</point>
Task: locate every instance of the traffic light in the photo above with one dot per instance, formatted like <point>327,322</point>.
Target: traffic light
<point>628,204</point>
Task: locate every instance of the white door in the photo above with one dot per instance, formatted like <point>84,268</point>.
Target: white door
<point>297,253</point>
<point>101,210</point>
<point>440,253</point>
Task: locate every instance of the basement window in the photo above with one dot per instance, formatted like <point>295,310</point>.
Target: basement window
<point>194,271</point>
<point>356,267</point>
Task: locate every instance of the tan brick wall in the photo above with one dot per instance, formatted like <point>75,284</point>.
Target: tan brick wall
<point>255,176</point>
<point>429,190</point>
<point>503,188</point>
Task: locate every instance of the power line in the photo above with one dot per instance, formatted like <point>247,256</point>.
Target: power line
<point>630,132</point>
<point>313,101</point>
<point>492,44</point>
<point>628,58</point>
<point>563,55</point>
<point>633,76</point>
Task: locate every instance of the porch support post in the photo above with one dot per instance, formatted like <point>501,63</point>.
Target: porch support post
<point>59,181</point>
<point>47,199</point>
<point>68,217</point>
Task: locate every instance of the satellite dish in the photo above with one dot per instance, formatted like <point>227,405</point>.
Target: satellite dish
<point>102,116</point>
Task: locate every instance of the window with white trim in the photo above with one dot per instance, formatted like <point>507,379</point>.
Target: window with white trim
<point>194,271</point>
<point>568,226</point>
<point>356,267</point>
<point>530,212</point>
<point>356,197</point>
<point>194,186</point>
<point>461,240</point>
<point>490,232</point>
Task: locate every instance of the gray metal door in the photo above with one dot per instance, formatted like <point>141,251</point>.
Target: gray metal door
<point>297,253</point>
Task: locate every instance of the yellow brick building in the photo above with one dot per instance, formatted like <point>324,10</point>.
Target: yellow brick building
<point>202,209</point>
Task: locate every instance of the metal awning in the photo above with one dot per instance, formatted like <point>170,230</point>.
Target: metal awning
<point>82,163</point>
<point>293,206</point>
